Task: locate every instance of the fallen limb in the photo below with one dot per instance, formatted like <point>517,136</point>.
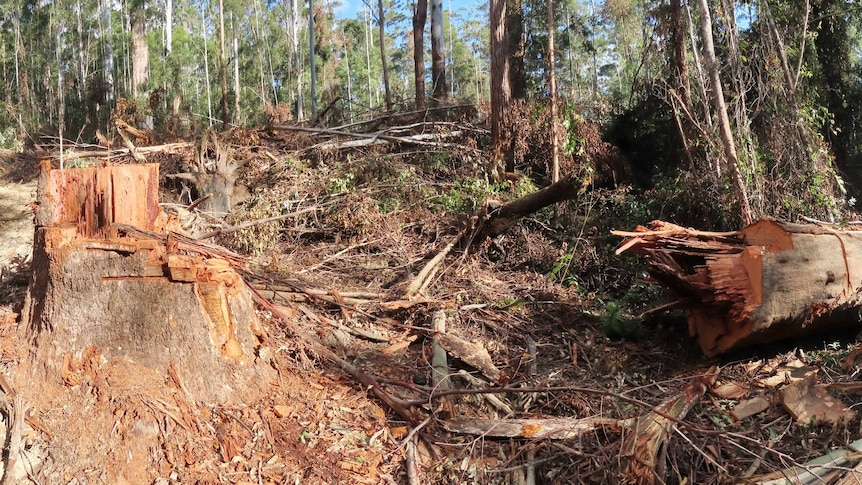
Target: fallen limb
<point>425,275</point>
<point>421,139</point>
<point>246,225</point>
<point>496,219</point>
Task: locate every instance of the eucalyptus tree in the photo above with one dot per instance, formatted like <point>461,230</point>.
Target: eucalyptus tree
<point>438,53</point>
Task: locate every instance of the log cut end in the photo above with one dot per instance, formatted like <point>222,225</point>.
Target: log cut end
<point>137,300</point>
<point>769,281</point>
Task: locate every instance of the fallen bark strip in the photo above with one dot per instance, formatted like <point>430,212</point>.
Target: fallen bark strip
<point>771,280</point>
<point>642,446</point>
<point>423,279</point>
<point>551,428</point>
<point>301,297</point>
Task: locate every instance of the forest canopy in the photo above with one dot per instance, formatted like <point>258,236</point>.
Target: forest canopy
<point>787,73</point>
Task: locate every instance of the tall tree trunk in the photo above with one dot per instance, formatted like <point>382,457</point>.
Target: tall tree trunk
<point>368,56</point>
<point>723,120</point>
<point>312,57</point>
<point>516,48</point>
<point>679,80</point>
<point>419,17</point>
<point>108,51</point>
<point>501,93</point>
<point>701,78</point>
<point>297,58</point>
<point>207,68</point>
<point>61,98</point>
<point>20,69</point>
<point>140,51</point>
<point>169,27</point>
<point>82,65</point>
<point>236,87</point>
<point>552,87</point>
<point>438,53</point>
<point>381,26</point>
<point>225,114</point>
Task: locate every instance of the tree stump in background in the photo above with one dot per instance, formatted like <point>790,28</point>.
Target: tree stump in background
<point>143,298</point>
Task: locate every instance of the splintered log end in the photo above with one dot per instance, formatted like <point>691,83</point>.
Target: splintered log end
<point>715,333</point>
<point>772,280</point>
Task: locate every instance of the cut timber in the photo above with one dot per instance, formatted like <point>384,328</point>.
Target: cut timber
<point>108,280</point>
<point>769,281</point>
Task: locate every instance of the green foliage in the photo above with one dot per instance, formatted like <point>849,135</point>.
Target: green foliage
<point>573,145</point>
<point>561,274</point>
<point>260,238</point>
<point>9,139</point>
<point>615,324</point>
<point>462,197</point>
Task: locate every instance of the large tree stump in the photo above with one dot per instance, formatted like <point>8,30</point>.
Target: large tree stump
<point>140,299</point>
<point>768,281</point>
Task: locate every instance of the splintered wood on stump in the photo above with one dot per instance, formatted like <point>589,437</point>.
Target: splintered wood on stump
<point>768,281</point>
<point>136,300</point>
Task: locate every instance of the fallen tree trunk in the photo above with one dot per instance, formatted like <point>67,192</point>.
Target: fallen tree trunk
<point>769,281</point>
<point>497,219</point>
<point>110,285</point>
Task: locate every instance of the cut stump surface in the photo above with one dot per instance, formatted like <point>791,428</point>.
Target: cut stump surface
<point>139,300</point>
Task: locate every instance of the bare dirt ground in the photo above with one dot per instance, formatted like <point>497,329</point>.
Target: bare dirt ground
<point>543,303</point>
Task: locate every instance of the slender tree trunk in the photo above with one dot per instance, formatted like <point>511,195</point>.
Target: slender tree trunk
<point>236,85</point>
<point>680,78</point>
<point>207,68</point>
<point>680,62</point>
<point>701,78</point>
<point>552,87</point>
<point>108,51</point>
<point>225,114</point>
<point>782,55</point>
<point>501,94</point>
<point>438,53</point>
<point>368,56</point>
<point>169,27</point>
<point>260,56</point>
<point>419,17</point>
<point>20,71</point>
<point>82,66</point>
<point>452,56</point>
<point>61,99</point>
<point>297,59</point>
<point>140,51</point>
<point>723,120</point>
<point>381,26</point>
<point>349,103</point>
<point>312,56</point>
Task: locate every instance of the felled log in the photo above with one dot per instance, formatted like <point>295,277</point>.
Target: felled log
<point>111,285</point>
<point>768,281</point>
